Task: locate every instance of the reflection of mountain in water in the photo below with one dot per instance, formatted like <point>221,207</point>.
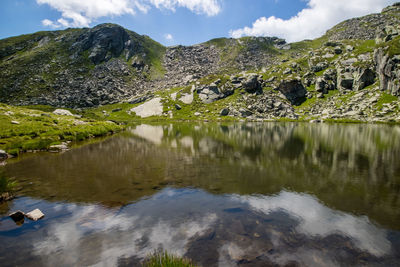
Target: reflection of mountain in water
<point>353,168</point>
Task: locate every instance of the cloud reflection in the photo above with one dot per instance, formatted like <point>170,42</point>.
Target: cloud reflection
<point>315,219</point>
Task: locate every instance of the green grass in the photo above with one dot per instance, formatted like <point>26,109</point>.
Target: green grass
<point>39,130</point>
<point>385,98</point>
<point>6,184</point>
<point>394,46</point>
<point>167,260</point>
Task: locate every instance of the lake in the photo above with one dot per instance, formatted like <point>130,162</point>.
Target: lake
<point>250,194</point>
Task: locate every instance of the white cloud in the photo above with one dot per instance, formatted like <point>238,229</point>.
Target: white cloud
<point>168,37</point>
<point>80,13</point>
<point>49,23</point>
<point>313,21</point>
<point>208,7</point>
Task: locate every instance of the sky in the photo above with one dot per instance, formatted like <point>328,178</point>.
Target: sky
<point>187,22</point>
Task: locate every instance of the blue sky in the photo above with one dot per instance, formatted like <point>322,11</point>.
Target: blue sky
<point>187,22</point>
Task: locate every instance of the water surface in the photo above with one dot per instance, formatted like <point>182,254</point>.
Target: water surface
<point>222,195</point>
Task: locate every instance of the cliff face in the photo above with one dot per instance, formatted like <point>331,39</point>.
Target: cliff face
<point>109,64</point>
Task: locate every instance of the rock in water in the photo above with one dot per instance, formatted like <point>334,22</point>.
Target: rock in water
<point>35,215</point>
<point>6,197</point>
<point>17,216</point>
<point>62,112</point>
<point>3,155</point>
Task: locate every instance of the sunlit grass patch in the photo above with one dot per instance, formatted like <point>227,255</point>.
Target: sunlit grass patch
<point>167,260</point>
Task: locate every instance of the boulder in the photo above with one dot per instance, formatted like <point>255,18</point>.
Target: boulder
<point>338,50</point>
<point>17,216</point>
<point>3,155</point>
<point>321,85</point>
<point>331,44</point>
<point>209,94</point>
<point>293,90</point>
<point>62,112</point>
<point>252,83</point>
<point>363,77</point>
<point>320,66</point>
<point>345,81</point>
<point>178,107</point>
<point>224,112</point>
<point>245,112</point>
<point>6,197</point>
<point>35,215</point>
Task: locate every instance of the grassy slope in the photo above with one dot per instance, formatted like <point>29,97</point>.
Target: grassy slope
<point>37,130</point>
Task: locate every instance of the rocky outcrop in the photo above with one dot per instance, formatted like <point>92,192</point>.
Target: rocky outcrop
<point>252,83</point>
<point>365,28</point>
<point>388,70</point>
<point>104,42</point>
<point>293,90</point>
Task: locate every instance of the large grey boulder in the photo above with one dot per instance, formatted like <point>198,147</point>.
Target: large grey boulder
<point>62,112</point>
<point>209,94</point>
<point>345,80</point>
<point>252,83</point>
<point>363,77</point>
<point>214,92</point>
<point>321,85</point>
<point>320,66</point>
<point>293,90</point>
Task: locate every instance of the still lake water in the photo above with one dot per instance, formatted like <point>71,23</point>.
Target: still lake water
<point>292,194</point>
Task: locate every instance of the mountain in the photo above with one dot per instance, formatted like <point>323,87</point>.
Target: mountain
<point>350,72</point>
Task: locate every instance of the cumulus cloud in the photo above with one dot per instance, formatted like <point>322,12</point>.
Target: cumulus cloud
<point>78,13</point>
<point>313,21</point>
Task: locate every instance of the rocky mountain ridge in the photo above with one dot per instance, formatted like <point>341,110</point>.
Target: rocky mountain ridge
<point>251,77</point>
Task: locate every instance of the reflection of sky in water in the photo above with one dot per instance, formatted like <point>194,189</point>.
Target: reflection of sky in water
<point>181,220</point>
<point>317,219</point>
